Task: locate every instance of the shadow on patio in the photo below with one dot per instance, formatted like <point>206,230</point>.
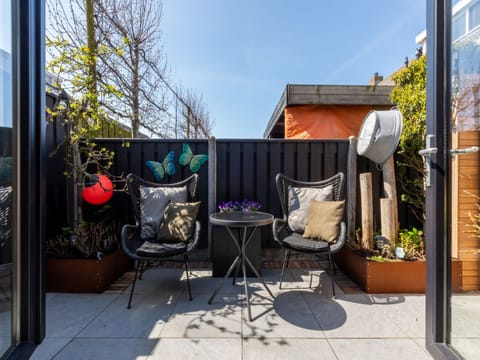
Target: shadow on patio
<point>299,322</point>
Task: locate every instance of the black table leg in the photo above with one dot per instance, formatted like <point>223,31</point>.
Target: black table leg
<point>234,264</point>
<point>242,260</point>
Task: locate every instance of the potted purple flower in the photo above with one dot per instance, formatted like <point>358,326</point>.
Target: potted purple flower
<point>244,205</point>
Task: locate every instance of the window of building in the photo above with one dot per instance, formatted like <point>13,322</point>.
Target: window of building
<point>474,16</point>
<point>459,25</point>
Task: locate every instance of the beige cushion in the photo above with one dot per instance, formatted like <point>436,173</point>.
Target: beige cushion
<point>178,223</point>
<point>299,199</point>
<point>323,220</point>
<point>153,201</point>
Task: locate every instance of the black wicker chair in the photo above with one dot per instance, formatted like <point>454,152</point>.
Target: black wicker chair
<point>5,223</point>
<point>294,241</point>
<point>151,251</point>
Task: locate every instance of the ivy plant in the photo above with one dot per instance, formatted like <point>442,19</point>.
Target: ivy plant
<point>409,94</point>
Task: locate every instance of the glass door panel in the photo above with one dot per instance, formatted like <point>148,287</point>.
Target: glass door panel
<point>465,167</point>
<point>6,172</point>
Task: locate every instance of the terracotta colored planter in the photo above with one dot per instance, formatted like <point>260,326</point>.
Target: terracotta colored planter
<point>389,277</point>
<point>85,275</point>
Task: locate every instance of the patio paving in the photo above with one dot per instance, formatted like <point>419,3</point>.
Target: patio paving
<point>299,323</point>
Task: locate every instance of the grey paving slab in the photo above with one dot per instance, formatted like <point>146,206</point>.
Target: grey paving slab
<point>366,349</point>
<point>351,317</point>
<point>299,279</point>
<point>286,349</point>
<point>465,315</point>
<point>198,348</point>
<point>199,305</point>
<point>409,318</point>
<point>68,314</point>
<point>101,348</point>
<point>206,285</point>
<point>49,348</point>
<point>467,347</point>
<point>145,318</point>
<point>159,281</point>
<point>286,316</point>
<point>220,323</point>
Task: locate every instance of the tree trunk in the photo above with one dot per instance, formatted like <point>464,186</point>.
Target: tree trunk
<point>78,180</point>
<point>92,52</point>
<point>135,95</point>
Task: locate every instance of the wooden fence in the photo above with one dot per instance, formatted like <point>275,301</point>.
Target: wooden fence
<point>235,170</point>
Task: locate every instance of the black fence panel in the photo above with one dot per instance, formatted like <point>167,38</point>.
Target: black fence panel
<point>246,169</point>
<point>58,188</point>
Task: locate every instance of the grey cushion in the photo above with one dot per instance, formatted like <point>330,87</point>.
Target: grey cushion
<point>299,199</point>
<point>160,250</point>
<point>296,241</point>
<point>153,201</point>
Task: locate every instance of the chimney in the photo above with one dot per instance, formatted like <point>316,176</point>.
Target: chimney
<point>376,78</point>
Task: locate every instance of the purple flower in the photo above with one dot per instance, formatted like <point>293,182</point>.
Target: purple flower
<point>245,205</point>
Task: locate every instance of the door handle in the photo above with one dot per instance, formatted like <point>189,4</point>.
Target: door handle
<point>468,150</point>
<point>427,153</point>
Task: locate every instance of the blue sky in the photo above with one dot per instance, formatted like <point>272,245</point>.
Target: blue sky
<point>5,41</point>
<point>240,54</point>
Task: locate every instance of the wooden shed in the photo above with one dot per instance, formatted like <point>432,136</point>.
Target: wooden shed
<point>325,111</point>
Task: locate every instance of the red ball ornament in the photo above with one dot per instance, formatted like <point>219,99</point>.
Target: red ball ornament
<point>100,192</point>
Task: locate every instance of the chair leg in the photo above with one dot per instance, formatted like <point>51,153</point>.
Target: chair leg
<point>286,259</point>
<point>137,265</point>
<point>333,271</point>
<point>187,266</point>
<point>142,268</point>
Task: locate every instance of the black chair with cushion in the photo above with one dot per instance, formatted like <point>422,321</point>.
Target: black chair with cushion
<point>312,218</point>
<point>166,224</point>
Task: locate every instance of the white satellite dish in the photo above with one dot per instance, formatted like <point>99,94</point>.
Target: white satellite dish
<point>379,135</point>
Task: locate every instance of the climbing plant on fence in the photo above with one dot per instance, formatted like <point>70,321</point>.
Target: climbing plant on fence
<point>410,96</point>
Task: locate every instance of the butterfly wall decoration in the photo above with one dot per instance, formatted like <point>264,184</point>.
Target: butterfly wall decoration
<point>167,166</point>
<point>193,161</point>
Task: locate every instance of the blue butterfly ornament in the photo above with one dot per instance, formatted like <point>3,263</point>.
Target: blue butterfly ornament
<point>193,161</point>
<point>167,166</point>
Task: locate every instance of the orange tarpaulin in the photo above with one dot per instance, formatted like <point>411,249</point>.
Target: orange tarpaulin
<point>324,121</point>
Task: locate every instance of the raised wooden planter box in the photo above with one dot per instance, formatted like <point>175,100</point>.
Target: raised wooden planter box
<point>85,275</point>
<point>390,276</point>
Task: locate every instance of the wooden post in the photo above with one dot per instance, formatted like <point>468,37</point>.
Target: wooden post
<point>390,189</point>
<point>212,187</point>
<point>387,218</point>
<point>367,210</point>
<point>351,188</point>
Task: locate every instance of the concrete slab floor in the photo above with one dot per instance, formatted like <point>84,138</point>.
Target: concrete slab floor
<point>299,322</point>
